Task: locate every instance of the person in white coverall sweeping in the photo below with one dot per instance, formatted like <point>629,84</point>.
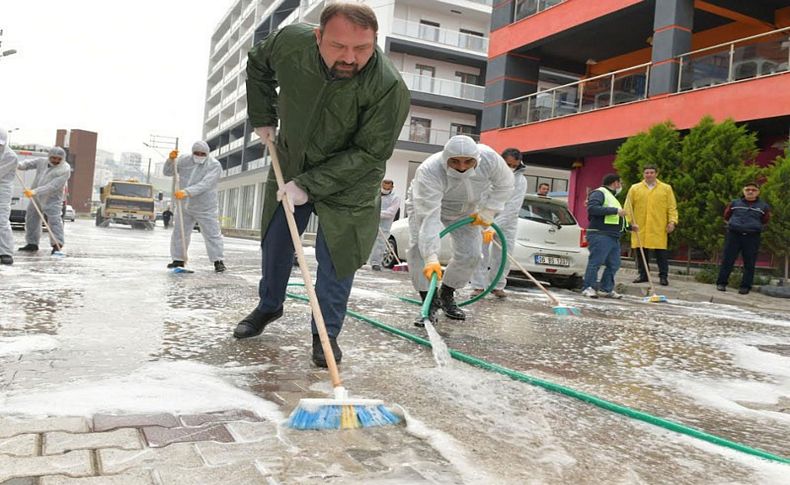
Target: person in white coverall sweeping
<point>390,203</point>
<point>507,221</point>
<point>453,184</point>
<point>198,176</point>
<point>8,162</point>
<point>52,174</point>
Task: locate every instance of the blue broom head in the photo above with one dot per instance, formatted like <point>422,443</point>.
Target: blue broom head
<point>566,311</point>
<point>180,270</point>
<point>59,254</point>
<point>341,414</point>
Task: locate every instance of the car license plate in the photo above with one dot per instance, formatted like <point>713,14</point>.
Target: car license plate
<point>552,260</point>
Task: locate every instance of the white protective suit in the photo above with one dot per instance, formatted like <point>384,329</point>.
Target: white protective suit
<point>8,162</point>
<point>199,180</point>
<point>390,203</point>
<point>507,220</point>
<point>440,195</point>
<point>49,185</point>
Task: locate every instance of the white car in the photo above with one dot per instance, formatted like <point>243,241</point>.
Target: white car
<point>550,244</point>
<point>69,215</point>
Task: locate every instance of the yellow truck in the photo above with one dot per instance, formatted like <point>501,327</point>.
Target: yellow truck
<point>127,202</point>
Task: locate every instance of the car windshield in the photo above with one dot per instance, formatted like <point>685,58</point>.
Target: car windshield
<point>131,190</point>
<point>537,210</point>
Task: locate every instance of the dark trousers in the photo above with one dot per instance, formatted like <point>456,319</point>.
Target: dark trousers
<point>277,263</point>
<point>746,243</point>
<point>662,260</point>
<point>604,250</point>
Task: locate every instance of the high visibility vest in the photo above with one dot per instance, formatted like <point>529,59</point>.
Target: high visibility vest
<point>609,200</point>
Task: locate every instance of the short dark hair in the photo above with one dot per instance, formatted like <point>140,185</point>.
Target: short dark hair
<point>752,184</point>
<point>649,166</point>
<point>609,179</point>
<point>544,183</point>
<point>358,13</point>
<point>512,152</point>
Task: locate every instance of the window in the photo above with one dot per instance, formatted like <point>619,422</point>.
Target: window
<point>247,206</point>
<point>420,130</point>
<point>471,39</point>
<point>233,207</point>
<point>425,78</point>
<point>429,30</point>
<point>459,129</point>
<point>468,89</point>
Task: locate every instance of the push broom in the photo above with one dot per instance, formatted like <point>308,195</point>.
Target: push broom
<point>57,243</point>
<point>180,214</point>
<point>401,266</point>
<point>653,297</point>
<point>556,306</point>
<point>339,412</point>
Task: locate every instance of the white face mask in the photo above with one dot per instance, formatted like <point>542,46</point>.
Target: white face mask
<point>386,192</point>
<point>200,159</point>
<point>618,190</point>
<point>455,174</point>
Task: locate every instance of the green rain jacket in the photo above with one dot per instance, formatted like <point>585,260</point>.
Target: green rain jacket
<point>335,137</point>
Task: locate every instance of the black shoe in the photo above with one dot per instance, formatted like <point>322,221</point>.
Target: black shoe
<point>5,259</point>
<point>418,322</point>
<point>175,264</point>
<point>721,287</point>
<point>744,291</point>
<point>55,249</point>
<point>29,247</point>
<point>376,267</point>
<point>663,281</point>
<point>219,266</point>
<point>253,324</point>
<point>449,307</point>
<point>319,358</point>
<point>641,279</point>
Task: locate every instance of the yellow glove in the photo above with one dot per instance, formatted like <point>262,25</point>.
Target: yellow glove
<point>180,194</point>
<point>488,236</point>
<point>29,193</point>
<point>174,154</point>
<point>483,218</point>
<point>432,267</point>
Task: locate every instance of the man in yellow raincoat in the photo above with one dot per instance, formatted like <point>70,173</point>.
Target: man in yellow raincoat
<point>652,211</point>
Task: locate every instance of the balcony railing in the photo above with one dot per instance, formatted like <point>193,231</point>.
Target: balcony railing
<point>439,35</point>
<point>443,87</point>
<point>214,110</point>
<point>214,153</point>
<point>236,144</point>
<point>528,8</point>
<point>597,92</point>
<point>747,58</point>
<point>760,55</point>
<point>258,163</point>
<point>233,170</point>
<point>431,136</point>
<point>213,132</point>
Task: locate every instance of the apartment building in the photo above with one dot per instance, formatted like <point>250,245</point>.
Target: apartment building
<point>636,63</point>
<point>440,47</point>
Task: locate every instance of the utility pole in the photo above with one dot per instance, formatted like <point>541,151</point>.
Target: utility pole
<point>160,142</point>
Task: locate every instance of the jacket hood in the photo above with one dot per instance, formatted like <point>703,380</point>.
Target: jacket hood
<point>460,146</point>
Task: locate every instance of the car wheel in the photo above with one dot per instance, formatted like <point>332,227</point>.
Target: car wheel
<point>388,261</point>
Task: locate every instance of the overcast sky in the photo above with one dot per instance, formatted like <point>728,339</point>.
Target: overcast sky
<point>123,69</point>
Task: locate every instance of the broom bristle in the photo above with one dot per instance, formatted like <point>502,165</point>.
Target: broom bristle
<point>655,299</point>
<point>566,310</point>
<point>341,416</point>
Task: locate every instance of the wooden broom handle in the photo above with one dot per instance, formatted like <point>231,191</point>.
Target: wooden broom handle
<point>308,282</point>
<point>513,260</point>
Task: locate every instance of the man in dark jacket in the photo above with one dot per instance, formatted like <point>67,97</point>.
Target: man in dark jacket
<point>341,106</point>
<point>745,217</point>
<point>607,223</point>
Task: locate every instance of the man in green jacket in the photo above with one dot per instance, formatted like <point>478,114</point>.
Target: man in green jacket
<point>341,106</point>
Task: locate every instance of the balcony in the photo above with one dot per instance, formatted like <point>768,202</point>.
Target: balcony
<point>443,87</point>
<point>233,171</point>
<point>236,144</point>
<point>438,35</point>
<point>760,55</point>
<point>214,153</point>
<point>528,8</point>
<point>258,163</point>
<point>213,111</point>
<point>745,80</point>
<point>429,136</point>
<point>597,92</point>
